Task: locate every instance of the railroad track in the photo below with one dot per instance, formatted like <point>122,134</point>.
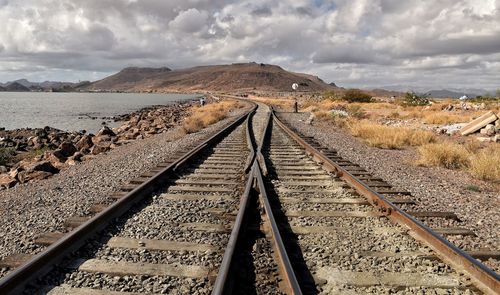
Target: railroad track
<point>258,209</point>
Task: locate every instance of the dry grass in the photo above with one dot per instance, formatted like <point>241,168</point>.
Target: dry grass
<point>390,137</point>
<point>209,114</point>
<point>485,164</point>
<point>445,118</point>
<point>283,103</point>
<point>446,154</point>
<point>481,163</point>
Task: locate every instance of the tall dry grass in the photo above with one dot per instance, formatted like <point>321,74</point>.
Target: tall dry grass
<point>390,137</point>
<point>445,154</point>
<point>209,114</point>
<point>486,163</point>
<point>482,163</point>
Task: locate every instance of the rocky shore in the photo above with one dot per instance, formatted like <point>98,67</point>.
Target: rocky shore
<point>34,154</point>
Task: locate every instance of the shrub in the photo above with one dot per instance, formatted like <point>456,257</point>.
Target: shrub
<point>356,111</point>
<point>413,99</point>
<point>446,154</point>
<point>485,164</point>
<point>332,95</point>
<point>356,95</point>
<point>390,137</point>
<point>6,154</point>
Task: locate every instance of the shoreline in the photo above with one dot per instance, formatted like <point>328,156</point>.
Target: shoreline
<point>28,154</point>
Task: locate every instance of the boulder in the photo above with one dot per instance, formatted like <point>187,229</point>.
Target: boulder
<point>101,139</point>
<point>100,148</point>
<point>56,158</point>
<point>67,148</point>
<point>497,125</point>
<point>105,130</point>
<point>84,143</point>
<point>44,166</point>
<point>3,169</point>
<point>488,130</point>
<point>14,172</point>
<point>25,176</point>
<point>7,181</point>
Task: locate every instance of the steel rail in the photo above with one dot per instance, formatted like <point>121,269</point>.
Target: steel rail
<point>250,142</point>
<point>260,157</point>
<point>224,281</point>
<point>482,277</point>
<point>43,262</point>
<point>291,283</point>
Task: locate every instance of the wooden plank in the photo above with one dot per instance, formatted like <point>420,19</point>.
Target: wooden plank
<point>394,279</point>
<point>307,213</point>
<point>438,214</point>
<point>128,243</point>
<point>75,221</point>
<point>321,229</point>
<point>68,290</point>
<point>352,201</point>
<point>15,260</point>
<point>202,189</point>
<point>194,197</point>
<point>455,231</point>
<point>207,227</point>
<point>120,268</point>
<point>205,182</point>
<point>47,239</point>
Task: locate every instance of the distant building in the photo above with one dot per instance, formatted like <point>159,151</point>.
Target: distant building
<point>464,97</point>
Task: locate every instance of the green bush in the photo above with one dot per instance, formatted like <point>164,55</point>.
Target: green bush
<point>6,154</point>
<point>331,95</point>
<point>413,99</point>
<point>356,95</point>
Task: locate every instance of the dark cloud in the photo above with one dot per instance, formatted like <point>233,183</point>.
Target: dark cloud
<point>262,11</point>
<point>356,43</point>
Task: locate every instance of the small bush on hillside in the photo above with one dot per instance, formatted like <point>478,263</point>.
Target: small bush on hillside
<point>356,95</point>
<point>6,154</point>
<point>413,99</point>
<point>332,95</point>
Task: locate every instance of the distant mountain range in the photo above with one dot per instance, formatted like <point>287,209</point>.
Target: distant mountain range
<point>25,85</point>
<point>233,77</point>
<point>441,93</point>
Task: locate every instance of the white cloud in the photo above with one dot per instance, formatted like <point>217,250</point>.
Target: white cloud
<point>351,42</point>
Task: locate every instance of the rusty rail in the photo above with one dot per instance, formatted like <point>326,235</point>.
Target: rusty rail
<point>482,277</point>
<point>43,262</point>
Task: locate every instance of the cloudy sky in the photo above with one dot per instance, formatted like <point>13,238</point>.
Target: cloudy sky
<point>362,43</point>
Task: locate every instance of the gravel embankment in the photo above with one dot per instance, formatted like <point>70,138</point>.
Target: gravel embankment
<point>42,206</point>
<point>434,189</point>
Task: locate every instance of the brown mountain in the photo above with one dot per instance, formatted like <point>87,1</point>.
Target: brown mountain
<point>234,77</point>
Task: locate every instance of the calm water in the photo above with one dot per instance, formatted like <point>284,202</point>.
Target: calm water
<point>72,111</point>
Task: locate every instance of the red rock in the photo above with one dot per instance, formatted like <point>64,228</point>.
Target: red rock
<point>25,176</point>
<point>84,143</point>
<point>7,181</point>
<point>100,148</point>
<point>44,166</point>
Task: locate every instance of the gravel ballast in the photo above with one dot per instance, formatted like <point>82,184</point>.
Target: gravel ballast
<point>434,189</point>
<point>30,209</point>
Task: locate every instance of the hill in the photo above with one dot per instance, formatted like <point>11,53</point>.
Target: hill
<point>16,87</point>
<point>242,77</point>
<point>2,89</point>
